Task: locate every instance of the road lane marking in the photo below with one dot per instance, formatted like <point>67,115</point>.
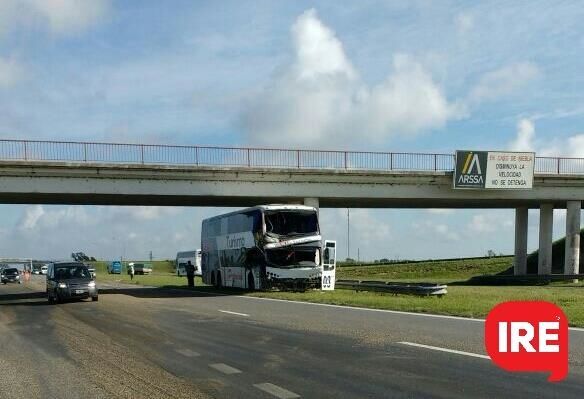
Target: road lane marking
<point>276,391</point>
<point>398,312</point>
<point>188,352</point>
<point>436,348</point>
<point>224,368</point>
<point>234,313</point>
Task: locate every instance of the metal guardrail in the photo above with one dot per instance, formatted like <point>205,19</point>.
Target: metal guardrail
<point>69,151</point>
<point>421,289</point>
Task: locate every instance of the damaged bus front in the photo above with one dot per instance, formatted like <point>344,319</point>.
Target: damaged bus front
<point>262,247</point>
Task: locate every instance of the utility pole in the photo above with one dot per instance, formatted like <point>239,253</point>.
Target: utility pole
<point>348,235</point>
<point>358,257</point>
<point>150,256</point>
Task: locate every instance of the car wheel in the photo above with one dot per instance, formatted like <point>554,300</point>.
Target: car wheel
<point>19,282</point>
<point>219,280</point>
<point>250,282</point>
<point>94,298</point>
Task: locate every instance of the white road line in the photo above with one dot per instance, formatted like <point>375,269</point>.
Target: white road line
<point>187,352</point>
<point>436,348</point>
<point>398,312</point>
<point>233,313</point>
<point>276,391</point>
<point>224,368</point>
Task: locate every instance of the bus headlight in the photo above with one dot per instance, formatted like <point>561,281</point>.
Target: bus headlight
<point>91,284</point>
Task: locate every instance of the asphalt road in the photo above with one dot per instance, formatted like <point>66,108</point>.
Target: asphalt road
<point>152,343</point>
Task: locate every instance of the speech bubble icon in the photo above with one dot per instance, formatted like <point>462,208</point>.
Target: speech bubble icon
<point>528,336</point>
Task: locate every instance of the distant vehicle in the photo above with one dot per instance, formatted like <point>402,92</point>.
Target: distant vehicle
<point>10,275</point>
<point>44,269</point>
<point>140,268</point>
<point>70,280</point>
<point>115,267</point>
<point>263,247</point>
<point>91,270</point>
<point>182,259</point>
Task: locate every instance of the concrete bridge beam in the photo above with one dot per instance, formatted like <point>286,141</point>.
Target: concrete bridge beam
<point>520,261</point>
<point>572,258</point>
<point>546,224</point>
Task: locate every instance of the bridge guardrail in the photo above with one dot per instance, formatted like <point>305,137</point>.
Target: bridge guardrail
<point>420,289</point>
<point>69,151</point>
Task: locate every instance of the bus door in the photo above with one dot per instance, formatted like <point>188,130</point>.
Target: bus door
<point>329,263</point>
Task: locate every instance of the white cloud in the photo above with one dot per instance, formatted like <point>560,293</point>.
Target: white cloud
<point>440,211</point>
<point>149,212</point>
<point>60,17</point>
<point>526,140</point>
<point>438,231</point>
<point>38,220</point>
<point>525,136</point>
<point>503,81</point>
<point>10,72</point>
<point>464,22</point>
<point>482,224</point>
<point>320,97</point>
<point>31,217</point>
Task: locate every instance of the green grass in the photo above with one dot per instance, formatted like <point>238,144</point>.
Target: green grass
<point>461,300</point>
<point>432,271</point>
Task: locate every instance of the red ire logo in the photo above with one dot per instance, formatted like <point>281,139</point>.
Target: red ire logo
<point>528,336</point>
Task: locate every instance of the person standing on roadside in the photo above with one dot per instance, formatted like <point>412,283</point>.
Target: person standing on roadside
<point>190,274</point>
<point>132,271</point>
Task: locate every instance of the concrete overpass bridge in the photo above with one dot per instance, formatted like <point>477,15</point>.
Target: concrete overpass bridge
<point>46,172</point>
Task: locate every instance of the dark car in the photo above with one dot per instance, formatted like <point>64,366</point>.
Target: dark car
<point>10,275</point>
<point>70,280</point>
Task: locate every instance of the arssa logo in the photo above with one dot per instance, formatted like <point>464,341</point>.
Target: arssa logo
<point>528,336</point>
<point>470,169</point>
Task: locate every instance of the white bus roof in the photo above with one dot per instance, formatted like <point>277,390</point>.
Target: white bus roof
<point>272,207</point>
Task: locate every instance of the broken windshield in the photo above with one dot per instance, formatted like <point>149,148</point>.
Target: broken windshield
<point>291,223</point>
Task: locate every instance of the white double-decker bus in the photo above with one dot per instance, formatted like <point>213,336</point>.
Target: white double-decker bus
<point>262,247</point>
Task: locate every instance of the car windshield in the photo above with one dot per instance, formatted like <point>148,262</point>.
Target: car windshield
<point>71,272</point>
<point>290,223</point>
<point>11,271</point>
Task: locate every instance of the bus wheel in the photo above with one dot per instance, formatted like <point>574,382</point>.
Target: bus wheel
<point>250,282</point>
<point>213,279</point>
<point>219,282</point>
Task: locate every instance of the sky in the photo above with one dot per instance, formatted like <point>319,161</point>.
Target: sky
<point>417,76</point>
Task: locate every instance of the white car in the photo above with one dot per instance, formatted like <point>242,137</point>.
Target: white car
<point>44,269</point>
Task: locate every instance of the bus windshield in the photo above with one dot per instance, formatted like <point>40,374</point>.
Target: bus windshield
<point>291,223</point>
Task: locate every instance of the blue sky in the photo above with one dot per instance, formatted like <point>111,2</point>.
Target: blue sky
<point>391,76</point>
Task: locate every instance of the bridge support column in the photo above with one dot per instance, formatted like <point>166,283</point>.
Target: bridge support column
<point>572,258</point>
<point>312,202</point>
<point>520,261</point>
<point>546,225</point>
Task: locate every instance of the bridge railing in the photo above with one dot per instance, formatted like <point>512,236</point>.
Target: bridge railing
<point>67,151</point>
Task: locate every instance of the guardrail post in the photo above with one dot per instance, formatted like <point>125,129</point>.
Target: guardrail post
<point>345,159</point>
<point>248,160</point>
<point>25,151</point>
<point>435,163</point>
<point>197,156</point>
<point>142,153</point>
<point>85,152</point>
<point>298,158</point>
<point>391,161</point>
<point>559,159</point>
